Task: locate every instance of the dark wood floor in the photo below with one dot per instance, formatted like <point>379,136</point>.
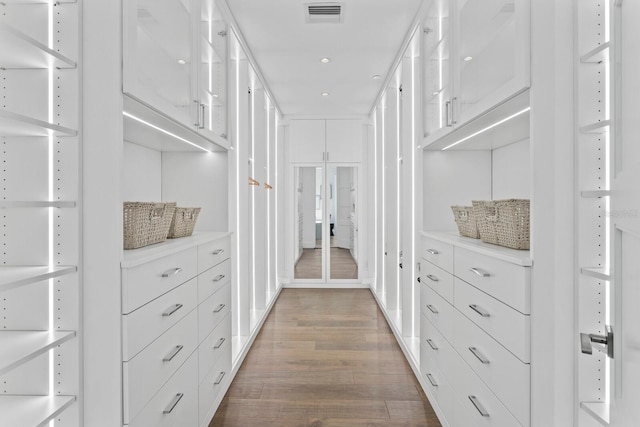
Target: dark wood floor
<point>325,358</point>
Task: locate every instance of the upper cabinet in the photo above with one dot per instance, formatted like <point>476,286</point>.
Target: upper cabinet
<point>175,61</point>
<point>314,141</point>
<point>476,56</point>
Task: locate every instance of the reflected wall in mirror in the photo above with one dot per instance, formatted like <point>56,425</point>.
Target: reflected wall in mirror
<point>308,231</point>
<point>343,229</point>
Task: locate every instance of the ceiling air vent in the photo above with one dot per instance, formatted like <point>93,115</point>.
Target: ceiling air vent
<point>324,12</point>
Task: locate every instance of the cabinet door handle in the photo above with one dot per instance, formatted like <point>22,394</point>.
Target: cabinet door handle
<point>169,357</point>
<point>219,379</point>
<point>481,311</point>
<point>433,251</point>
<point>431,380</point>
<point>449,119</point>
<point>433,278</point>
<point>480,272</point>
<point>454,102</point>
<point>217,252</point>
<point>219,308</point>
<point>173,403</point>
<point>219,277</point>
<point>172,272</point>
<point>219,343</point>
<point>432,309</point>
<point>171,310</point>
<point>478,406</point>
<point>481,357</point>
<point>202,116</point>
<point>431,344</point>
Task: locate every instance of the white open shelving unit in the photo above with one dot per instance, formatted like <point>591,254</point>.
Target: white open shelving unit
<point>39,210</point>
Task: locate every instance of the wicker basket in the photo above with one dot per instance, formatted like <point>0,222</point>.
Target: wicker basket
<point>504,222</point>
<point>466,221</point>
<point>146,223</point>
<point>184,219</point>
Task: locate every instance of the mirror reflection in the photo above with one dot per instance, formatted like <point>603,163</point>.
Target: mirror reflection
<point>342,222</point>
<point>309,208</point>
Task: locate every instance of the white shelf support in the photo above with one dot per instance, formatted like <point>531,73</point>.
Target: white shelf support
<point>597,273</point>
<point>596,55</point>
<point>18,50</point>
<point>20,125</point>
<point>13,277</point>
<point>32,410</point>
<point>598,410</point>
<point>37,204</point>
<point>18,347</point>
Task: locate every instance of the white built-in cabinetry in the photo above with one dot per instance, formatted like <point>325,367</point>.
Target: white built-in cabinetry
<point>475,330</point>
<point>40,284</point>
<point>314,141</point>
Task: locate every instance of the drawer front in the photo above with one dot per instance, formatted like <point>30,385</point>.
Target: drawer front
<point>475,405</point>
<point>438,253</point>
<point>438,280</point>
<point>216,382</point>
<point>506,325</point>
<point>148,322</point>
<point>434,343</point>
<point>213,310</point>
<point>437,310</point>
<point>437,385</point>
<point>146,282</point>
<point>506,376</point>
<point>145,374</point>
<point>214,346</point>
<point>213,253</point>
<point>509,283</point>
<point>176,404</point>
<point>213,279</point>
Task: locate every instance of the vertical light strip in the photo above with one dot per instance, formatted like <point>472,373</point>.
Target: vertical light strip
<point>413,194</point>
<point>375,199</point>
<point>268,196</point>
<point>398,197</point>
<point>607,200</point>
<point>384,199</point>
<point>440,74</point>
<point>253,198</point>
<point>51,282</point>
<point>276,194</point>
<point>237,153</point>
<point>210,82</point>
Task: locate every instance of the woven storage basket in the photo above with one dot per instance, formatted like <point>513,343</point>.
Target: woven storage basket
<point>184,219</point>
<point>466,221</point>
<point>146,223</point>
<point>504,222</point>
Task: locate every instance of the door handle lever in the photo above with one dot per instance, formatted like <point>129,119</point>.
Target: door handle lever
<point>603,343</point>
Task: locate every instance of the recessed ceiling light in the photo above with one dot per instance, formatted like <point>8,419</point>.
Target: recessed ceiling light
<point>325,93</point>
<point>376,77</point>
<point>468,58</point>
<point>325,60</point>
<point>181,61</point>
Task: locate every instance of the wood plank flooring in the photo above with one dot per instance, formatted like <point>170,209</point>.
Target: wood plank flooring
<point>325,358</point>
<point>343,266</point>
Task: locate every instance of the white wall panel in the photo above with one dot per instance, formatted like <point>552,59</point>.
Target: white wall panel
<point>512,171</point>
<point>142,173</point>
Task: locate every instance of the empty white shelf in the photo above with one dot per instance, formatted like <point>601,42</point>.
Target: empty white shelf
<point>596,55</point>
<point>13,277</point>
<point>18,347</point>
<point>598,127</point>
<point>32,410</point>
<point>594,194</point>
<point>37,204</point>
<point>598,273</point>
<point>18,50</point>
<point>598,410</point>
<point>13,124</point>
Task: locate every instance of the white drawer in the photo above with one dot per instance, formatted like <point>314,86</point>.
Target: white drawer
<point>145,324</point>
<point>214,346</point>
<point>508,326</point>
<point>437,384</point>
<point>437,279</point>
<point>437,310</point>
<point>506,376</point>
<point>213,310</point>
<point>439,350</point>
<point>176,404</point>
<point>213,279</point>
<point>507,282</point>
<point>438,253</point>
<point>213,253</point>
<point>145,374</point>
<point>146,282</point>
<point>216,382</point>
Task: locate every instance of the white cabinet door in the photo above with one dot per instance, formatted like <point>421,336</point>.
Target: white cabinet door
<point>344,140</point>
<point>307,141</point>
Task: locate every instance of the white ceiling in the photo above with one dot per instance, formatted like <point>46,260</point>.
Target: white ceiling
<point>288,50</point>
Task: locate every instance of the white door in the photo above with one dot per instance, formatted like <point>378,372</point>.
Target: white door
<point>625,223</point>
<point>306,138</point>
<point>344,140</point>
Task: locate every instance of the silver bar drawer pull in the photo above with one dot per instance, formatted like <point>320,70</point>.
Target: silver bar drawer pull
<point>433,251</point>
<point>480,272</point>
<point>433,278</point>
<point>431,344</point>
<point>219,379</point>
<point>481,311</point>
<point>219,343</point>
<point>174,402</point>
<point>169,357</point>
<point>431,380</point>
<point>219,308</point>
<point>172,272</point>
<point>217,252</point>
<point>219,277</point>
<point>481,357</point>
<point>478,406</point>
<point>432,309</point>
<point>172,310</point>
